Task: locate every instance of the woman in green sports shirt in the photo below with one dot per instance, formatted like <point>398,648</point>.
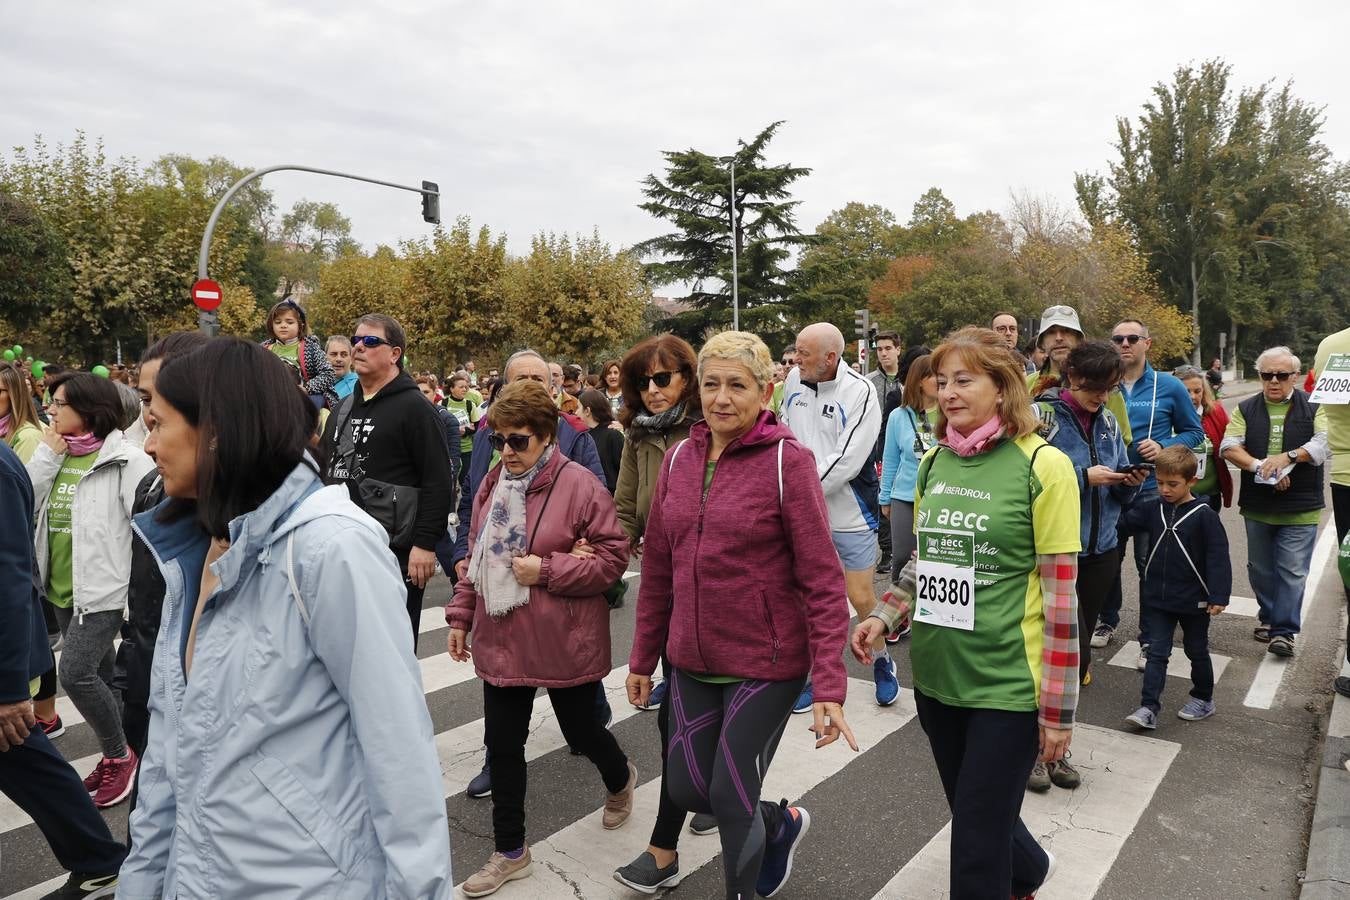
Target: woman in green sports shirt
<point>995,640</point>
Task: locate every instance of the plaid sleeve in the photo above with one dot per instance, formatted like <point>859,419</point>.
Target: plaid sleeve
<point>899,600</point>
<point>1059,657</point>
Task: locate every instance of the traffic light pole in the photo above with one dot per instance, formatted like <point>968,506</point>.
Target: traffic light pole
<point>431,212</point>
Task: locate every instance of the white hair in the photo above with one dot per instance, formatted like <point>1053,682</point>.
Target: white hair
<point>1278,353</point>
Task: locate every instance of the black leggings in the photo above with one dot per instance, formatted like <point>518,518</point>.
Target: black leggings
<point>1096,575</point>
<point>983,757</point>
<point>669,816</point>
<point>722,737</point>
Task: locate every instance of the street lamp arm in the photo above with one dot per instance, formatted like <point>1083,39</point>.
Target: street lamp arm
<point>253,176</point>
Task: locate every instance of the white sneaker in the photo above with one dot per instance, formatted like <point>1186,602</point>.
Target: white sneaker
<point>1143,657</point>
<point>1101,636</point>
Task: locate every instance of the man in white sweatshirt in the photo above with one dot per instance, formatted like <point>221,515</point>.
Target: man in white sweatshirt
<point>835,412</point>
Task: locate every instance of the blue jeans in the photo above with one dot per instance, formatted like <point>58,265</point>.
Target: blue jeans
<point>1161,625</point>
<point>1278,557</point>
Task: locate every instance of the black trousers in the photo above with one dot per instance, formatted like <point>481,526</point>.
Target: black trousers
<point>415,594</point>
<point>983,757</point>
<point>669,815</point>
<point>1096,575</point>
<point>1340,509</point>
<point>506,720</point>
<point>41,783</point>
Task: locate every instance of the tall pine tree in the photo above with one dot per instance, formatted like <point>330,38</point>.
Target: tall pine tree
<point>695,198</point>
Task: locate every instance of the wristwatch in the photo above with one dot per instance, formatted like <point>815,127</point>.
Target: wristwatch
<point>1294,454</point>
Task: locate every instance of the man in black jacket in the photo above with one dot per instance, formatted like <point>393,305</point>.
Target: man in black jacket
<point>387,445</point>
<point>32,772</point>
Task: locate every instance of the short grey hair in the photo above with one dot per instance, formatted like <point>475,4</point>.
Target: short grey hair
<point>1277,353</point>
<point>521,354</point>
<point>346,342</point>
<point>741,347</point>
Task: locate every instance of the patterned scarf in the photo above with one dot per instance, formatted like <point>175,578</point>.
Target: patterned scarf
<point>660,421</point>
<point>4,425</point>
<point>502,539</point>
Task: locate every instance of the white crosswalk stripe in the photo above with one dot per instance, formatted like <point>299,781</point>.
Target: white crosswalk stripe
<point>1177,667</point>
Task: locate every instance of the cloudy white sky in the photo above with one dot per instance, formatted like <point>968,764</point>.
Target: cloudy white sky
<point>536,116</point>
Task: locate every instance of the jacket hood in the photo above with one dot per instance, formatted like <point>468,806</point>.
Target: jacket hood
<point>766,430</point>
<point>402,382</point>
<point>116,449</point>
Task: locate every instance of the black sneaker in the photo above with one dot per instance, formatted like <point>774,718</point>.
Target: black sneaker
<point>85,886</point>
<point>1342,685</point>
<point>703,823</point>
<point>884,565</point>
<point>481,785</point>
<point>643,875</point>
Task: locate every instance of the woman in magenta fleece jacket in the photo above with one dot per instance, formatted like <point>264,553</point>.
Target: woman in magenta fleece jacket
<point>745,594</point>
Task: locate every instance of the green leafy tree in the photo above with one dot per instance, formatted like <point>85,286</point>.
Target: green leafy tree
<point>695,198</point>
<point>852,248</point>
<point>33,265</point>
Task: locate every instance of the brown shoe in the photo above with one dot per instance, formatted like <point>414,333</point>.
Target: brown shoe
<point>618,807</point>
<point>497,871</point>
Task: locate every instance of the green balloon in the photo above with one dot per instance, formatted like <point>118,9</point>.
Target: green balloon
<point>100,370</point>
<point>18,350</point>
<point>9,355</point>
<point>38,366</point>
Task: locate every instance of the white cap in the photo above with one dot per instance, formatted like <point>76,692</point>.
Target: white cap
<point>1063,316</point>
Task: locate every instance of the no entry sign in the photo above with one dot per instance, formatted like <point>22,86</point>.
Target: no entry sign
<point>206,295</point>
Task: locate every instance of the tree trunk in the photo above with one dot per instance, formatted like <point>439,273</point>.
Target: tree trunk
<point>1195,314</point>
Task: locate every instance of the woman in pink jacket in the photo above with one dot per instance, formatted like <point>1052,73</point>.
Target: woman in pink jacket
<point>535,603</point>
<point>744,592</point>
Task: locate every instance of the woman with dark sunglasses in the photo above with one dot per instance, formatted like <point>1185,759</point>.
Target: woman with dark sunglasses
<point>544,544</point>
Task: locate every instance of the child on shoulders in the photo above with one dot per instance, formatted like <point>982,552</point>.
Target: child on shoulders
<point>292,342</point>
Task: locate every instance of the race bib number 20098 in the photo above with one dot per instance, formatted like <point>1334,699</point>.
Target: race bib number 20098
<point>945,588</point>
<point>1333,382</point>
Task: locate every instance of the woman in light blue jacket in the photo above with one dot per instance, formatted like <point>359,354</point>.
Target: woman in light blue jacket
<point>291,753</point>
<point>909,435</point>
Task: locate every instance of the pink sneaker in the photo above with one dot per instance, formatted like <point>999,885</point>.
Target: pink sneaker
<point>118,777</point>
<point>95,778</point>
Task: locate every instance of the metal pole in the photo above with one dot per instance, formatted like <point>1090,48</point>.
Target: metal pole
<point>735,274</point>
<point>251,176</point>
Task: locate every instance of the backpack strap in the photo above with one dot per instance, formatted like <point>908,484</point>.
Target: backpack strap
<point>674,452</point>
<point>1172,530</point>
<point>780,474</point>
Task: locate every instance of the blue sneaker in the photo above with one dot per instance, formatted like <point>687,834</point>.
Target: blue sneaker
<point>888,686</point>
<point>658,696</point>
<point>1143,717</point>
<point>1196,709</point>
<point>804,701</point>
<point>778,850</point>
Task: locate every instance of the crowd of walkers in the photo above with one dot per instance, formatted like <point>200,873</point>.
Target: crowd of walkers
<point>230,558</point>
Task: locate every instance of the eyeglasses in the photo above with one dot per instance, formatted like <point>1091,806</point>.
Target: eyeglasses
<point>58,404</point>
<point>368,340</point>
<point>1130,339</point>
<point>662,379</point>
<point>517,442</point>
<point>1277,376</point>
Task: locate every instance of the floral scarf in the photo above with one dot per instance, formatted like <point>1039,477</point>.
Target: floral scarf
<point>502,539</point>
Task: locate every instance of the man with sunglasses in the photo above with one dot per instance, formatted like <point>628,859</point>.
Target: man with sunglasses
<point>574,443</point>
<point>386,437</point>
<point>1279,441</point>
<point>1161,414</point>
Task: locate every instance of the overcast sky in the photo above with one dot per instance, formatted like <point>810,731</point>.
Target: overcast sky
<point>545,116</point>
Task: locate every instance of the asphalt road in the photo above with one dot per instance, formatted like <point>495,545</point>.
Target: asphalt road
<point>1217,809</point>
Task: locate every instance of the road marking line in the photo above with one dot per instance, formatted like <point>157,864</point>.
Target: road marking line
<point>1242,606</point>
<point>585,855</point>
<point>1269,675</point>
<point>1177,667</point>
<point>1085,828</point>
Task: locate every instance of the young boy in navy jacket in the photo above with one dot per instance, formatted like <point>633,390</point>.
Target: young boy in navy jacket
<point>1187,579</point>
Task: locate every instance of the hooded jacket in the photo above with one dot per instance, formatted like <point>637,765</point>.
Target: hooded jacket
<point>1188,567</point>
<point>299,758</point>
<point>639,466</point>
<point>561,637</point>
<point>100,521</point>
<point>24,651</point>
<point>1103,446</point>
<point>743,581</point>
<point>574,444</point>
<point>399,440</point>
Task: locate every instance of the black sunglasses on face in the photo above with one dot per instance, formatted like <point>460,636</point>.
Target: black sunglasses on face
<point>662,379</point>
<point>517,442</point>
<point>1130,339</point>
<point>368,340</point>
<point>1281,376</point>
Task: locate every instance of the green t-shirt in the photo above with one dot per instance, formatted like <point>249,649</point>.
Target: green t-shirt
<point>60,577</point>
<point>468,414</point>
<point>287,351</point>
<point>1237,427</point>
<point>1014,511</point>
<point>1337,415</point>
<point>1208,482</point>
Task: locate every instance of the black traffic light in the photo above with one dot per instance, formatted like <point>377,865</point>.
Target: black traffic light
<point>862,322</point>
<point>431,202</point>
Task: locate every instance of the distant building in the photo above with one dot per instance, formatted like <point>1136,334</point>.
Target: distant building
<point>669,306</point>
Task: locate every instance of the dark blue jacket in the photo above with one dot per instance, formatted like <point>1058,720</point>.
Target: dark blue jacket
<point>576,446</point>
<point>24,652</point>
<point>1100,505</point>
<point>1171,581</point>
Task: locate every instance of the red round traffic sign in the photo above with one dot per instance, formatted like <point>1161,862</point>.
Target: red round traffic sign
<point>206,295</point>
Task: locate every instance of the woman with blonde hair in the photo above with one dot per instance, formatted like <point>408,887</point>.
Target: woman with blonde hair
<point>20,426</point>
<point>995,657</point>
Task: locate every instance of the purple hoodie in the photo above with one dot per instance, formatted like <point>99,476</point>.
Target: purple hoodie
<point>739,583</point>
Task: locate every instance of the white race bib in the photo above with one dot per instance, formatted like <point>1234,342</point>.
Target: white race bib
<point>1333,382</point>
<point>945,584</point>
